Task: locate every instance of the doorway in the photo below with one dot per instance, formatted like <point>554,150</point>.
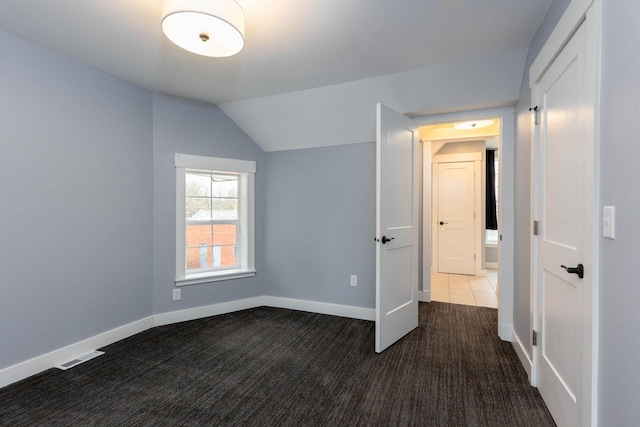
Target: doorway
<point>437,134</point>
<point>462,223</point>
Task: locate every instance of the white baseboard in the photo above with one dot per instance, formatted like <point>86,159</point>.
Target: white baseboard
<point>522,353</point>
<point>38,364</point>
<point>506,332</point>
<point>493,265</point>
<point>206,311</point>
<point>321,308</point>
<point>41,363</point>
<point>424,296</point>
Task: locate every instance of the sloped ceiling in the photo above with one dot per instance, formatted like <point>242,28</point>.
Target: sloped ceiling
<point>345,113</point>
<point>311,70</point>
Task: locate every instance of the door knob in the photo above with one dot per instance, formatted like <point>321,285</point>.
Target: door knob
<point>385,239</point>
<point>579,270</point>
<point>443,223</point>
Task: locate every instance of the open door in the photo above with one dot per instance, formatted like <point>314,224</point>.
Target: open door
<point>396,226</point>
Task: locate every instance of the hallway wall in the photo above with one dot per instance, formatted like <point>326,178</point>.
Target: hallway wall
<point>619,376</point>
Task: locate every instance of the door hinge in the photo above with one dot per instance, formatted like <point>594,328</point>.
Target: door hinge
<point>474,215</point>
<point>474,257</point>
<point>534,338</point>
<point>535,115</point>
<point>535,228</point>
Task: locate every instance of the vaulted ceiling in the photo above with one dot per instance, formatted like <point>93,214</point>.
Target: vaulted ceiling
<point>311,70</point>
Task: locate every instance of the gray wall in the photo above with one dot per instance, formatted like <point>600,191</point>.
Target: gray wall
<point>76,190</point>
<point>522,310</point>
<point>619,390</point>
<point>88,183</point>
<point>190,127</point>
<point>491,253</point>
<point>320,224</point>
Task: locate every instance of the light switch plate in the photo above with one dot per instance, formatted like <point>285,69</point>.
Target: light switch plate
<point>609,222</point>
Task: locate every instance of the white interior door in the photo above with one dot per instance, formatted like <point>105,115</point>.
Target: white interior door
<point>396,227</point>
<point>563,231</point>
<point>456,217</point>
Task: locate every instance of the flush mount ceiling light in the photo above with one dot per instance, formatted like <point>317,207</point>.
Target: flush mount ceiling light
<point>204,27</point>
<point>476,124</point>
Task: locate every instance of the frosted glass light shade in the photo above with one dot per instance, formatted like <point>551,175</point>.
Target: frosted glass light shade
<point>204,27</point>
<point>476,124</point>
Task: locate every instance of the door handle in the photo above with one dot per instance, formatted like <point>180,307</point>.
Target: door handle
<point>443,223</point>
<point>579,270</point>
<point>385,239</point>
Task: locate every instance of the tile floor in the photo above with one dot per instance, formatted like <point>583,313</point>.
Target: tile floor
<point>467,290</point>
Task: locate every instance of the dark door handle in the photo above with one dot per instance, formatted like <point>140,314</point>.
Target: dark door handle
<point>443,223</point>
<point>579,270</point>
<point>385,239</point>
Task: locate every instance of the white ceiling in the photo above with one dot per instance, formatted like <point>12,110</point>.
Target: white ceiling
<point>290,46</point>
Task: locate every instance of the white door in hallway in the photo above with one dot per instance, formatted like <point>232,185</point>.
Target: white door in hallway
<point>455,220</point>
<point>397,197</point>
<point>563,271</point>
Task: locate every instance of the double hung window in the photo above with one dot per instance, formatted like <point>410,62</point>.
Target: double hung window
<point>214,219</point>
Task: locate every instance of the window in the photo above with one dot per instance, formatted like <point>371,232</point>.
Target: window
<point>491,237</point>
<point>214,219</point>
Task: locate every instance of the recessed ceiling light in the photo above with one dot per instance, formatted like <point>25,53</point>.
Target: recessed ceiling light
<point>475,124</point>
<point>205,27</point>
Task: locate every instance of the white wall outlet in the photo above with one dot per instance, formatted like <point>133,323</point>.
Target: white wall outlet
<point>354,280</point>
<point>177,294</point>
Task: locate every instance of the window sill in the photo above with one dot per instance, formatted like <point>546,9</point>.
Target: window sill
<point>194,279</point>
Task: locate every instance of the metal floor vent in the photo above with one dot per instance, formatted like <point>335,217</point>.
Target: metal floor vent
<point>79,360</point>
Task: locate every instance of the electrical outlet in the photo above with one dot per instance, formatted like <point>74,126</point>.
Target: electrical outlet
<point>177,294</point>
<point>354,280</point>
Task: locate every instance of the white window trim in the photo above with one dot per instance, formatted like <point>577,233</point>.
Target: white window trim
<point>246,170</point>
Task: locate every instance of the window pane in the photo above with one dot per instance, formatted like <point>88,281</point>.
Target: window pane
<point>224,234</point>
<point>224,208</point>
<point>197,209</point>
<point>197,184</point>
<point>224,186</point>
<point>227,256</point>
<point>198,235</point>
<point>211,246</point>
<point>210,257</point>
<point>198,258</point>
<point>492,237</point>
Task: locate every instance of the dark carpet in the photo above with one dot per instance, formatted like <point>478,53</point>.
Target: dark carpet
<point>275,367</point>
